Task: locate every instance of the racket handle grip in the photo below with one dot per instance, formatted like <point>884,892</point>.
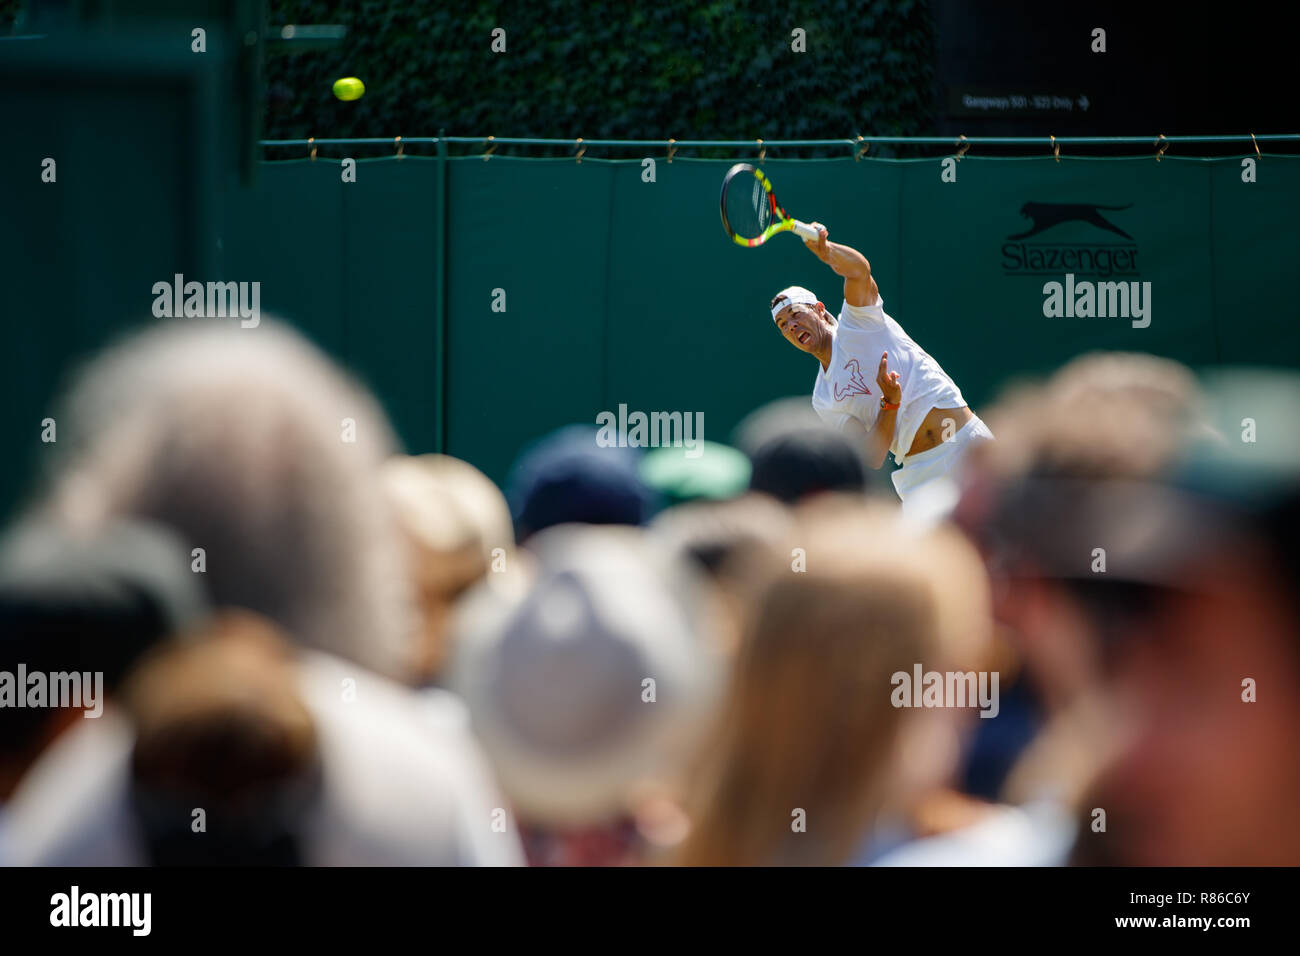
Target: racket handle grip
<point>804,231</point>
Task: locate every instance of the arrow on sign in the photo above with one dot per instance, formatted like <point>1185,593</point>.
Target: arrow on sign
<point>1083,103</point>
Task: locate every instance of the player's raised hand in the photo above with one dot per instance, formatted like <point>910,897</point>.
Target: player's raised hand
<point>818,248</point>
<point>890,387</point>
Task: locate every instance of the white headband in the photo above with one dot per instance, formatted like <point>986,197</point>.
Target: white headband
<point>794,295</point>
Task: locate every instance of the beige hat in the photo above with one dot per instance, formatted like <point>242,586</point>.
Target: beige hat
<point>448,504</point>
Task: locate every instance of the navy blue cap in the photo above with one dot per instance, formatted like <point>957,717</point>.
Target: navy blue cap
<point>796,464</point>
<point>569,477</point>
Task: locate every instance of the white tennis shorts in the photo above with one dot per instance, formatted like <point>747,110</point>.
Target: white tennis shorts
<point>939,463</point>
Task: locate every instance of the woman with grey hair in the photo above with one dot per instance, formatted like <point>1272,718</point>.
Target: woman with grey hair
<point>262,455</point>
<point>264,460</point>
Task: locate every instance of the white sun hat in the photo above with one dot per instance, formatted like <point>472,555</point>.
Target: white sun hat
<point>556,679</point>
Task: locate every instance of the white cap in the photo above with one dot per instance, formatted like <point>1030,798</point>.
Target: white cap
<point>794,295</point>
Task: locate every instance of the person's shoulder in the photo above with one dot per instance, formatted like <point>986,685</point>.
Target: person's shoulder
<point>864,316</point>
<point>72,807</point>
<point>399,781</point>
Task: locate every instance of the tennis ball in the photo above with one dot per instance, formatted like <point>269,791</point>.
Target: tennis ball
<point>349,88</point>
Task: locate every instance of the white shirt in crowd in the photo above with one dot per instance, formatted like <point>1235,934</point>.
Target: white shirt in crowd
<point>404,784</point>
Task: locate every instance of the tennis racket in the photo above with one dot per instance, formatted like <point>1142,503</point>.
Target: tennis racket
<point>750,213</point>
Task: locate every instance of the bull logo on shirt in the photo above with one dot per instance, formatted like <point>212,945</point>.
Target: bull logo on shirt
<point>857,384</point>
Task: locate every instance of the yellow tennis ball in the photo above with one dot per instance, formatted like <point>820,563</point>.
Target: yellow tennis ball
<point>349,88</point>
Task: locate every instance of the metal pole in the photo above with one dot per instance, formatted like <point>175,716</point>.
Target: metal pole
<point>440,303</point>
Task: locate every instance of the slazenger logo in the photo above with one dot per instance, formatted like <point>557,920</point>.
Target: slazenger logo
<point>1048,214</point>
<point>1074,264</point>
<point>1060,251</point>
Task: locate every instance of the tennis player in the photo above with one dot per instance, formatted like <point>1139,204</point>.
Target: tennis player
<point>910,408</point>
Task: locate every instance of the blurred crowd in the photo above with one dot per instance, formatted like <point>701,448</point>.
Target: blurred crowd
<point>308,648</point>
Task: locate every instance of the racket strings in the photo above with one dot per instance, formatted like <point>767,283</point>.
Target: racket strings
<point>748,212</point>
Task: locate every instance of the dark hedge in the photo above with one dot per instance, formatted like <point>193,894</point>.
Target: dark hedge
<point>713,70</point>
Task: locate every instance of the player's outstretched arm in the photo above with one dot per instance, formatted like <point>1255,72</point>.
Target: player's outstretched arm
<point>859,287</point>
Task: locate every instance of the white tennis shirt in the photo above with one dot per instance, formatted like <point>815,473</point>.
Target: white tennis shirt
<point>847,388</point>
